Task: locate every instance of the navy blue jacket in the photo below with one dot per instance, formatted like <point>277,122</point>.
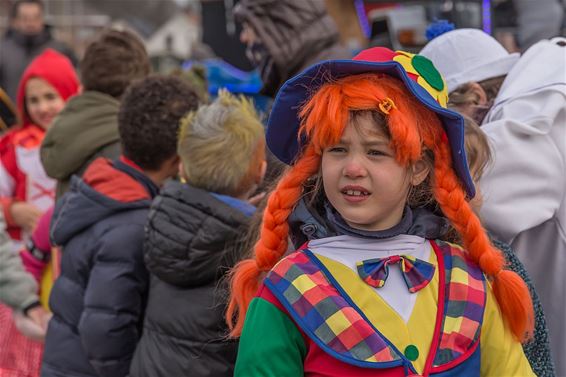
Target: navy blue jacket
<point>99,298</point>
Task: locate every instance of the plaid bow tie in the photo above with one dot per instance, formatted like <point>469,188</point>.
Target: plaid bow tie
<point>417,273</point>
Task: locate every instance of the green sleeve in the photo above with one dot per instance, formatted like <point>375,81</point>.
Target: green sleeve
<point>270,345</point>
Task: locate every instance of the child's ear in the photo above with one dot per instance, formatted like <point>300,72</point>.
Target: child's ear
<point>182,174</point>
<point>479,93</point>
<point>174,164</point>
<point>420,171</point>
<point>261,173</point>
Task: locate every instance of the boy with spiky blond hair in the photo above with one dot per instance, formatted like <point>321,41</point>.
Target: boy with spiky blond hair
<point>222,147</point>
<point>192,239</point>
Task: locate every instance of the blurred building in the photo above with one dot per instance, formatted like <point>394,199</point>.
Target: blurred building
<point>77,21</point>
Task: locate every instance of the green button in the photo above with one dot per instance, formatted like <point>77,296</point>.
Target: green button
<point>411,352</point>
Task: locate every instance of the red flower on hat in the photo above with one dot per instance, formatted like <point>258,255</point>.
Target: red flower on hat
<point>421,70</point>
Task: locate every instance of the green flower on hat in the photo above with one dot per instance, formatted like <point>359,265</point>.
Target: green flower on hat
<point>421,70</point>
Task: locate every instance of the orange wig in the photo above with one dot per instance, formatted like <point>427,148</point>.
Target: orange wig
<point>413,128</point>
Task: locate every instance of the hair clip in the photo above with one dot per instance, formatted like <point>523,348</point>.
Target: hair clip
<point>387,105</point>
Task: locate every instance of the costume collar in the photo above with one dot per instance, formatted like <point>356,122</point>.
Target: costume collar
<point>307,223</point>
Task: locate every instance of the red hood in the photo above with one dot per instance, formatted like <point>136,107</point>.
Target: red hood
<point>113,183</point>
<point>54,68</point>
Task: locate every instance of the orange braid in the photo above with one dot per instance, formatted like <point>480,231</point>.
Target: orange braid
<point>272,243</point>
<point>510,290</point>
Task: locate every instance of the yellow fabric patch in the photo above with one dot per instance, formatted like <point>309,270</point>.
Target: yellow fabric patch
<point>405,59</point>
<point>303,283</point>
<point>46,284</point>
<point>417,331</point>
<point>459,276</point>
<point>337,322</point>
<point>501,354</point>
<point>451,323</point>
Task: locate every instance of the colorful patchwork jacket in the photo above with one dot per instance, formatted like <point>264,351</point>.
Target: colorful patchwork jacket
<point>313,316</point>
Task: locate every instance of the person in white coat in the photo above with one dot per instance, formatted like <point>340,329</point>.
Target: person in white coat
<point>521,104</point>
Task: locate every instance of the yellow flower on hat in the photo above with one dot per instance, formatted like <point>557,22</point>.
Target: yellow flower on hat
<point>421,70</point>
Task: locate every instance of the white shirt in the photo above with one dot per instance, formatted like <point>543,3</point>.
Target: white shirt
<point>349,250</point>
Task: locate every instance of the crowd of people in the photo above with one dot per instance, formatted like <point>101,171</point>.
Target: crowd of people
<point>397,214</point>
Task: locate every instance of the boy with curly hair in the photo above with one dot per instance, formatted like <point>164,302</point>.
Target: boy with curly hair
<point>99,298</point>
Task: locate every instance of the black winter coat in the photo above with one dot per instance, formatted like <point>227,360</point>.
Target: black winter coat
<point>191,240</point>
<point>98,299</point>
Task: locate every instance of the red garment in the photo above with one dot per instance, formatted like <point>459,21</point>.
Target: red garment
<point>57,70</point>
<point>22,177</point>
<point>19,356</point>
<point>110,182</point>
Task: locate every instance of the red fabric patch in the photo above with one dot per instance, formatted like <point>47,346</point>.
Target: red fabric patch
<point>319,363</point>
<point>313,296</point>
<point>476,297</point>
<point>113,183</point>
<point>412,76</point>
<point>376,54</point>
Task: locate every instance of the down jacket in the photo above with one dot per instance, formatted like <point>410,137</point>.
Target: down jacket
<point>191,241</point>
<point>99,298</point>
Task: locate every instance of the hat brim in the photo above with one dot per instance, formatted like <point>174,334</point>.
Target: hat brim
<point>283,124</point>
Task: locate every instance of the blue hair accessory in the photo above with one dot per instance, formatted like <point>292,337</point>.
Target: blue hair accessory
<point>437,28</point>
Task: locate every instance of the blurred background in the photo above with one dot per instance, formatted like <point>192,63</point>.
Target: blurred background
<point>201,38</point>
<point>179,30</point>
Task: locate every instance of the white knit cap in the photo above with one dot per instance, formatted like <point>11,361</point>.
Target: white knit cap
<point>465,55</point>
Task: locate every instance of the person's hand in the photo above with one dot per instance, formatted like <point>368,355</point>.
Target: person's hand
<point>28,327</point>
<point>40,316</point>
<point>25,215</point>
<point>254,200</point>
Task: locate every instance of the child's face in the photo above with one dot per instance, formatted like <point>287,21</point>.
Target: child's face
<point>43,102</point>
<point>362,179</point>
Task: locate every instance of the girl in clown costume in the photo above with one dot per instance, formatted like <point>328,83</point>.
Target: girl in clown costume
<point>376,200</point>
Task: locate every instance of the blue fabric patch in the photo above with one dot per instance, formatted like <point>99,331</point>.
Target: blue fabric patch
<point>242,206</point>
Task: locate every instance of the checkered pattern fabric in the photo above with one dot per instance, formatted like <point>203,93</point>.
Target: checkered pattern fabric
<point>465,304</point>
<point>321,308</point>
<point>416,273</point>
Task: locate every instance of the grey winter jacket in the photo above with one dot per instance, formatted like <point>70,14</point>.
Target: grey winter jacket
<point>191,241</point>
<point>18,288</point>
<point>18,50</point>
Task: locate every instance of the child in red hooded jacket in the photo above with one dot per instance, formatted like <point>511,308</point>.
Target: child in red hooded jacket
<point>25,190</point>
